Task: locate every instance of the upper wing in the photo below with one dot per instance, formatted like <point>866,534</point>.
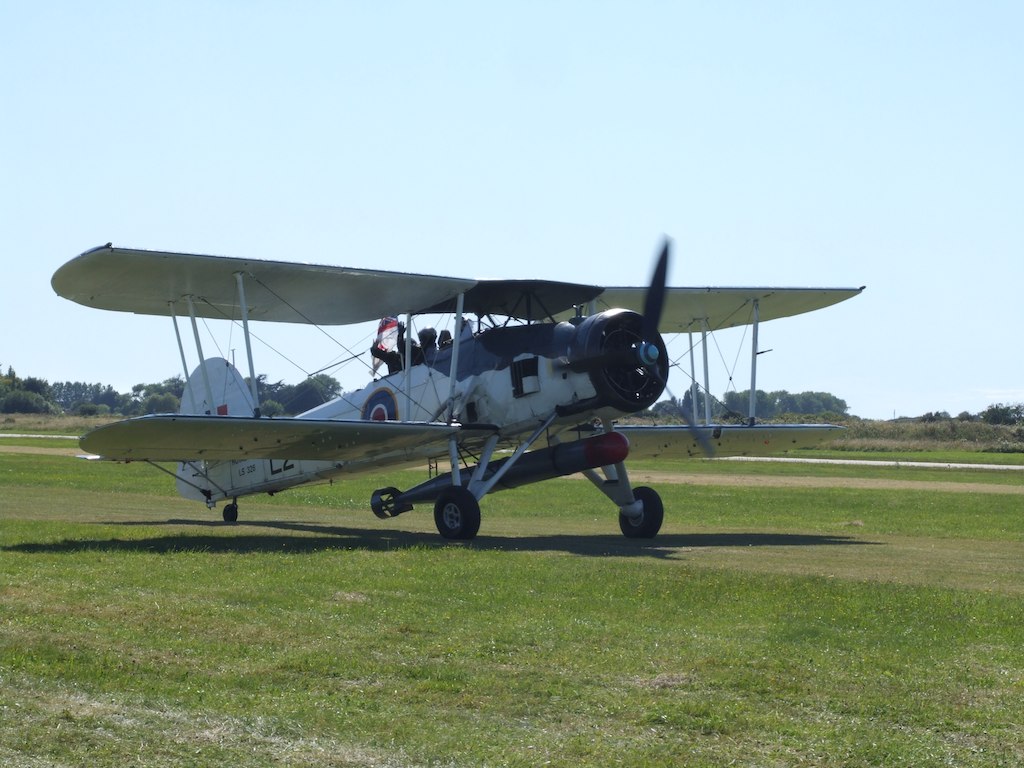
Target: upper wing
<point>155,282</point>
<point>687,309</point>
<point>726,440</point>
<point>229,438</point>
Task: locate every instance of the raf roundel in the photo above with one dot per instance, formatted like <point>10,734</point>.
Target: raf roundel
<point>380,406</point>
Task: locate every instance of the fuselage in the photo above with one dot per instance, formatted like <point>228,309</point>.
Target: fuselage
<point>508,378</point>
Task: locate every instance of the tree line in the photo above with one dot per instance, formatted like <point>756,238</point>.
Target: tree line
<point>781,405</point>
<point>35,395</point>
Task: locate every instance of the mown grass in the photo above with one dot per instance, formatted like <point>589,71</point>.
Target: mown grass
<point>767,625</point>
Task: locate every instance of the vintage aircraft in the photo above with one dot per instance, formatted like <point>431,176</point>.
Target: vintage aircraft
<point>528,393</point>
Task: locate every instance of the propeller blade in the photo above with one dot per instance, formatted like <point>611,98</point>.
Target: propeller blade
<point>700,437</point>
<point>654,301</point>
<point>655,298</point>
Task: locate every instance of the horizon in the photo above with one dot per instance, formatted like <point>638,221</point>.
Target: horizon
<point>718,399</point>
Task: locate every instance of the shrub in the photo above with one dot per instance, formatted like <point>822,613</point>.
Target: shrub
<point>22,401</point>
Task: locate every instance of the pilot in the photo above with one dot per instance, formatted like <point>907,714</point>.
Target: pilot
<point>393,357</point>
<point>428,345</point>
<point>445,339</point>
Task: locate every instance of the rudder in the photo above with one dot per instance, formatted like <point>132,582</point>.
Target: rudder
<point>216,388</point>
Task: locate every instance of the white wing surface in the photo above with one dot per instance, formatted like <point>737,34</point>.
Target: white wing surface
<point>157,282</point>
<point>687,309</point>
<point>175,437</point>
<point>726,440</point>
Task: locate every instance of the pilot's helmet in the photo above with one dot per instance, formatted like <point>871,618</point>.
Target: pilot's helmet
<point>428,337</point>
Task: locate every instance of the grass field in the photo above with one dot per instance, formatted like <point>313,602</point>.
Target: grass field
<point>786,616</point>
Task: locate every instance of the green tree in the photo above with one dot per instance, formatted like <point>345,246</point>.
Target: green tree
<point>1003,414</point>
<point>40,386</point>
<point>173,386</point>
<point>92,409</point>
<point>161,402</point>
<point>23,401</point>
<point>771,405</point>
<point>271,408</point>
<point>73,395</point>
<point>314,391</point>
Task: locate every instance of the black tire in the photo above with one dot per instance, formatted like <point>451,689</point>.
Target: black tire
<point>457,513</point>
<point>381,502</point>
<point>230,513</point>
<point>649,523</point>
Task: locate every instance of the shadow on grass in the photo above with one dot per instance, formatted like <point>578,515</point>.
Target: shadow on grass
<point>310,537</point>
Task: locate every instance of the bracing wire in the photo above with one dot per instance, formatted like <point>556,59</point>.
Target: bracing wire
<point>730,370</point>
<point>300,313</point>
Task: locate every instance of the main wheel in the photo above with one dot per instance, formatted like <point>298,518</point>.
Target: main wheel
<point>457,513</point>
<point>231,513</point>
<point>649,523</point>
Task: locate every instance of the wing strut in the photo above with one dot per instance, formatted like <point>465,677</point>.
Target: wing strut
<point>181,349</point>
<point>484,487</point>
<point>695,388</point>
<point>707,379</point>
<point>199,349</point>
<point>453,370</point>
<point>248,344</point>
<point>753,366</point>
<point>406,366</point>
<point>693,378</point>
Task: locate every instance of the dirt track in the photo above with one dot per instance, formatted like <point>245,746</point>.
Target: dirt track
<point>683,478</point>
<point>791,481</point>
<point>71,449</point>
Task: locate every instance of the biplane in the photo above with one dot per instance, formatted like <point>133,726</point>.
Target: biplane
<point>530,388</point>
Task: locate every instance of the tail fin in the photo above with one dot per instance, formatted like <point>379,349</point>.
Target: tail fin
<point>216,388</point>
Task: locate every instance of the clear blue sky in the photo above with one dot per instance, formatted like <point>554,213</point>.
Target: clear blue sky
<point>783,143</point>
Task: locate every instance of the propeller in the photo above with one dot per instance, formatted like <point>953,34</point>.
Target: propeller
<point>638,348</point>
<point>647,352</point>
<point>629,361</point>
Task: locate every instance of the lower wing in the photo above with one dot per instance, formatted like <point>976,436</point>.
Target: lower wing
<point>229,438</point>
<point>726,440</point>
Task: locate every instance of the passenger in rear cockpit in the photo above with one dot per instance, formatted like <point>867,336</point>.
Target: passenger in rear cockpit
<point>428,346</point>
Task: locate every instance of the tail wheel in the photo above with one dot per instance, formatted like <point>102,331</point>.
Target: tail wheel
<point>457,513</point>
<point>647,525</point>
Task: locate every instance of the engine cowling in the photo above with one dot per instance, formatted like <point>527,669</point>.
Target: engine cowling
<point>628,371</point>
